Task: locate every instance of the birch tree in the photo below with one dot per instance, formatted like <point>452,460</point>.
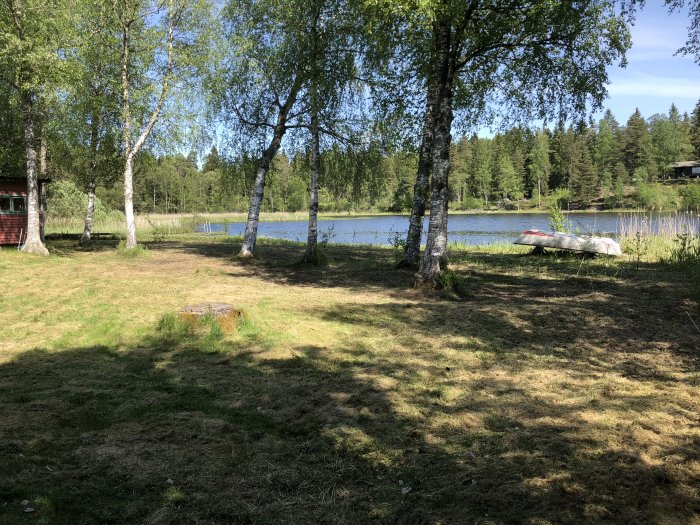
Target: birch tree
<point>89,120</point>
<point>334,30</point>
<point>513,60</point>
<point>257,85</point>
<point>157,47</point>
<point>34,35</point>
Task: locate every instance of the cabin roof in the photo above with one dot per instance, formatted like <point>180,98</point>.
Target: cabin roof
<point>686,164</point>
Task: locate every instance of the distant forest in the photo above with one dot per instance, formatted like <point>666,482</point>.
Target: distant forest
<point>608,166</point>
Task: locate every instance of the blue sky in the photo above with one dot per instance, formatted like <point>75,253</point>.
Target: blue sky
<point>654,78</point>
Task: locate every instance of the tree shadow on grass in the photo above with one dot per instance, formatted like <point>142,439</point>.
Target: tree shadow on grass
<point>355,267</point>
<point>186,430</point>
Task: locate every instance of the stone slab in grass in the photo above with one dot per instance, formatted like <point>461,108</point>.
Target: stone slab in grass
<point>225,314</point>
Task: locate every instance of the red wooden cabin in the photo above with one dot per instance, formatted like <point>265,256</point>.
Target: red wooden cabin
<point>13,209</point>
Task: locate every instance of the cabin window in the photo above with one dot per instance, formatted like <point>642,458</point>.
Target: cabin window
<point>12,204</point>
<point>19,205</point>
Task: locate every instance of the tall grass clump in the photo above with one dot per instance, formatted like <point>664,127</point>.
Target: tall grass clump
<point>656,233</point>
<point>685,252</point>
<point>205,334</point>
<point>138,251</point>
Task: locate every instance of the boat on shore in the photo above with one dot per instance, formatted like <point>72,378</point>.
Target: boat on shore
<point>569,241</point>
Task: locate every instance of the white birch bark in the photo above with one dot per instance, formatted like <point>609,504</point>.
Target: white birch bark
<point>130,150</point>
<point>435,256</point>
<point>311,255</point>
<point>86,237</point>
<point>33,243</point>
<point>250,236</point>
<point>420,189</point>
<point>312,238</point>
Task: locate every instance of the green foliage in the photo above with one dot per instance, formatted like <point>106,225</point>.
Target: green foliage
<point>656,197</point>
<point>130,253</point>
<point>397,240</point>
<point>584,179</point>
<point>616,199</point>
<point>690,197</point>
<point>670,140</point>
<point>206,333</point>
<point>452,282</point>
<point>560,197</point>
<point>557,220</point>
<point>471,203</point>
<point>685,253</point>
<point>540,165</point>
<point>64,200</point>
<point>637,246</point>
<point>172,327</point>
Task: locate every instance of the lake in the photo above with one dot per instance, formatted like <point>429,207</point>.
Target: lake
<point>483,228</point>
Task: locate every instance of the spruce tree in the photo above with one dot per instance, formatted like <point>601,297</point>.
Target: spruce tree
<point>637,143</point>
<point>584,180</point>
<point>695,130</point>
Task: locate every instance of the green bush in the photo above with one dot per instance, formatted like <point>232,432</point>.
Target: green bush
<point>64,200</point>
<point>557,219</point>
<point>139,251</point>
<point>471,203</point>
<point>453,283</point>
<point>690,197</point>
<point>561,197</point>
<point>656,197</point>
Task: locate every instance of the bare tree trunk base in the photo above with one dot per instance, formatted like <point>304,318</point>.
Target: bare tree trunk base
<point>316,258</point>
<point>35,248</point>
<point>246,254</point>
<point>85,240</point>
<point>426,282</point>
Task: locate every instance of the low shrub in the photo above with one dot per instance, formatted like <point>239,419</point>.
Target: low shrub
<point>656,197</point>
<point>690,197</point>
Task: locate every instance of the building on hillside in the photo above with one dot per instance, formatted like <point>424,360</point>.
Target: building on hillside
<point>686,169</point>
<point>13,209</point>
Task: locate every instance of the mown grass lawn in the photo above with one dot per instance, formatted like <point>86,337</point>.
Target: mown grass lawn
<point>559,390</point>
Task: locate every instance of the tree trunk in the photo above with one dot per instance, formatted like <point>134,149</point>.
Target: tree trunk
<point>86,238</point>
<point>435,256</point>
<point>312,239</point>
<point>129,202</point>
<point>420,189</point>
<point>311,255</point>
<point>251,228</point>
<point>130,150</point>
<point>33,243</point>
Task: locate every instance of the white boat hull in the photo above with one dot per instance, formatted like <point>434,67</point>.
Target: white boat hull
<point>568,241</point>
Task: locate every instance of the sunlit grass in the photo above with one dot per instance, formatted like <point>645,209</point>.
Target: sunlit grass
<point>563,389</point>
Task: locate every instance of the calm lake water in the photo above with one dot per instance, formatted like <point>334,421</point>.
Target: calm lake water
<point>486,228</point>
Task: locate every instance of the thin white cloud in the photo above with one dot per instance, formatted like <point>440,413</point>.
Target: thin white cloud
<point>656,86</point>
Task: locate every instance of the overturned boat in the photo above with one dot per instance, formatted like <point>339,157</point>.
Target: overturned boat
<point>569,241</point>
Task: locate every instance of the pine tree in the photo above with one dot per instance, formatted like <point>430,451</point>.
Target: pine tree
<point>480,169</point>
<point>584,181</point>
<point>695,130</point>
<point>637,143</point>
<point>212,162</point>
<point>670,141</point>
